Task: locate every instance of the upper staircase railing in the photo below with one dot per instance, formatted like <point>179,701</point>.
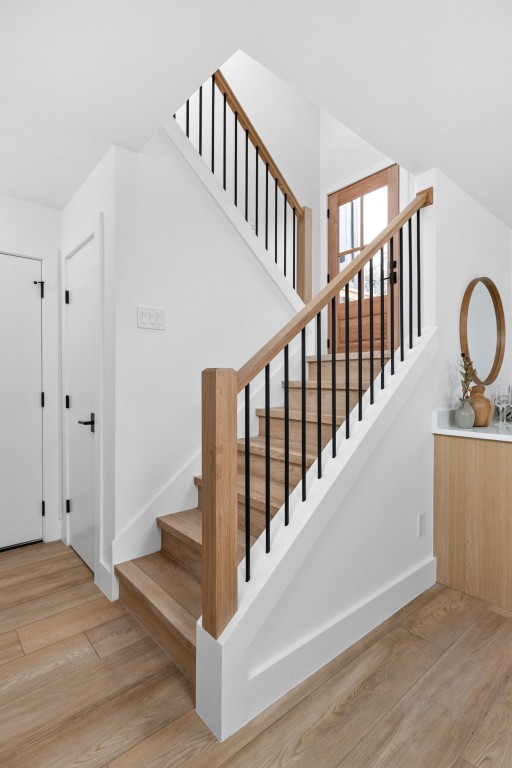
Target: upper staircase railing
<point>225,137</point>
<point>221,386</point>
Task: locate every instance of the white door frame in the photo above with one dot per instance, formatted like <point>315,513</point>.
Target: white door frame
<point>43,478</point>
<point>97,236</point>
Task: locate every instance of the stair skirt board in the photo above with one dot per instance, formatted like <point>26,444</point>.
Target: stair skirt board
<point>266,685</point>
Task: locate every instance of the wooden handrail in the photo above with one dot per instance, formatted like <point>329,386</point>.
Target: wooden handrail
<point>255,139</point>
<point>267,353</point>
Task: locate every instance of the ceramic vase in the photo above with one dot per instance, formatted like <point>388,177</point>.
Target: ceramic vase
<point>464,415</point>
<point>482,406</point>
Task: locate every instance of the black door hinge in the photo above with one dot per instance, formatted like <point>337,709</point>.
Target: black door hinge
<point>68,401</point>
<point>41,283</point>
<point>328,343</point>
<point>68,506</point>
<point>327,213</point>
<point>42,509</point>
<point>66,297</point>
<point>42,399</point>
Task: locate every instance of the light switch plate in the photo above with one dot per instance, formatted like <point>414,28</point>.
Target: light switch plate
<point>151,318</point>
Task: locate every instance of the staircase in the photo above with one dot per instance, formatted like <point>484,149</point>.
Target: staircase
<point>163,590</point>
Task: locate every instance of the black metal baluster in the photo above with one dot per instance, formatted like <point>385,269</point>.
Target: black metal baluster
<point>409,225</point>
<point>286,439</point>
<point>256,202</point>
<point>334,306</point>
<point>294,220</point>
<point>418,268</point>
<point>401,291</point>
<point>372,398</point>
<point>267,458</point>
<point>187,118</point>
<point>275,222</point>
<point>347,363</point>
<point>224,144</point>
<point>303,410</point>
<point>201,120</point>
<point>247,174</point>
<point>266,207</point>
<point>360,341</point>
<point>247,485</point>
<point>213,123</point>
<point>319,391</point>
<point>285,213</point>
<point>236,160</point>
<point>392,274</point>
<point>382,323</point>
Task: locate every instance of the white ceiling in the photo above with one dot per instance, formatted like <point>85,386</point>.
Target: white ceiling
<point>427,83</point>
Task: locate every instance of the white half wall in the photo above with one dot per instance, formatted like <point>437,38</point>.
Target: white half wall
<point>349,559</point>
<point>34,230</point>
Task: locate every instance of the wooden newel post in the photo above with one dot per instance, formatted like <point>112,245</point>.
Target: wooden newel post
<point>305,255</point>
<point>219,498</point>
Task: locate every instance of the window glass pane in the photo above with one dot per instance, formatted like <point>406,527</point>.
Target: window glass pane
<point>349,218</point>
<point>344,261</point>
<point>376,274</point>
<point>375,218</point>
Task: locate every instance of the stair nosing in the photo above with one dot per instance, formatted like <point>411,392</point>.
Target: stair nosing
<point>295,456</point>
<point>278,413</point>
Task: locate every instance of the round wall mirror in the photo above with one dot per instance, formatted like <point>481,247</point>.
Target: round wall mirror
<point>482,328</point>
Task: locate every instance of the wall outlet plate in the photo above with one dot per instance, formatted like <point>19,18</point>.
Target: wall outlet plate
<point>422,524</point>
<point>151,318</point>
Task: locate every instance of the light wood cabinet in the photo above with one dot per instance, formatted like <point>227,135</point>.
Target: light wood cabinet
<point>473,517</point>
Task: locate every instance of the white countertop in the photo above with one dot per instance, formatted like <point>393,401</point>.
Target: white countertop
<point>443,423</point>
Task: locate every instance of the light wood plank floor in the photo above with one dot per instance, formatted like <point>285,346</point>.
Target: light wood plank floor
<point>82,684</point>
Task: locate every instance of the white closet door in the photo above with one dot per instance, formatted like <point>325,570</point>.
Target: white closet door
<point>82,339</point>
<point>21,415</point>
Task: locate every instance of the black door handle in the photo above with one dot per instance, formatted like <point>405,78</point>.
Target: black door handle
<point>90,423</point>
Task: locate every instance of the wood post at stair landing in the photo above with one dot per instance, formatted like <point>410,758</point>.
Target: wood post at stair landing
<point>305,255</point>
<point>219,498</point>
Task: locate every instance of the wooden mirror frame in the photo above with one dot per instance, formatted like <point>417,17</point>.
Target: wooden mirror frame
<point>500,326</point>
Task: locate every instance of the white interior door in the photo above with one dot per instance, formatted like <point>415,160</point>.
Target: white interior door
<point>21,415</point>
<point>82,355</point>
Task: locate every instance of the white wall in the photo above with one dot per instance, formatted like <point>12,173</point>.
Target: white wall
<point>345,157</point>
<point>34,230</point>
<point>287,122</point>
<point>177,250</point>
<point>466,241</point>
<point>92,211</point>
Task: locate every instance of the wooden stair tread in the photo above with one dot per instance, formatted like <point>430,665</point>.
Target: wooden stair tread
<point>365,355</point>
<point>175,616</point>
<point>278,413</point>
<point>177,582</point>
<point>257,491</point>
<point>326,383</point>
<point>185,525</point>
<point>257,446</point>
<point>167,523</point>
